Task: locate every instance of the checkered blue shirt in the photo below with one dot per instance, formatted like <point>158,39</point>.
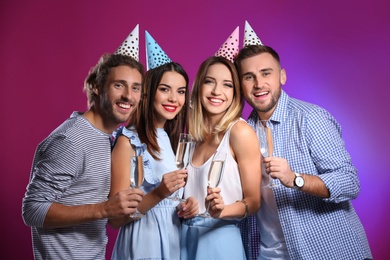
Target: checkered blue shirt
<point>309,138</point>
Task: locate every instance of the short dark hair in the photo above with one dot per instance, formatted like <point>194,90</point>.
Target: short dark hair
<point>253,50</point>
<point>97,76</point>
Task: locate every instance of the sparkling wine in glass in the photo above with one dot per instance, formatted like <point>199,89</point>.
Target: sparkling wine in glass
<point>266,146</point>
<point>183,157</point>
<point>215,176</point>
<point>137,174</point>
<point>183,152</point>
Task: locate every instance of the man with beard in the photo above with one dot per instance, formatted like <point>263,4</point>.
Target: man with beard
<point>308,213</point>
<point>66,201</point>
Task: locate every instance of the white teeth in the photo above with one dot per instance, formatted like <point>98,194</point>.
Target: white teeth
<point>215,100</point>
<point>260,94</point>
<point>124,105</point>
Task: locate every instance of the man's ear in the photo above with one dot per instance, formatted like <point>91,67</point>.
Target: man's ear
<point>283,76</point>
<point>96,90</point>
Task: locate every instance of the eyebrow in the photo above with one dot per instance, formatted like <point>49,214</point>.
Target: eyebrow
<point>225,80</point>
<point>166,85</point>
<point>262,70</point>
<point>124,82</point>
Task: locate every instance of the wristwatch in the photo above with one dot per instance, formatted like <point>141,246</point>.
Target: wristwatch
<point>298,181</point>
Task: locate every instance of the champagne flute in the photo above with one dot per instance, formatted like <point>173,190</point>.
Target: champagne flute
<point>137,174</point>
<point>266,146</point>
<point>215,176</point>
<point>183,157</point>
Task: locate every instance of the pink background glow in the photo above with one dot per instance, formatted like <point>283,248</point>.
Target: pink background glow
<point>336,54</point>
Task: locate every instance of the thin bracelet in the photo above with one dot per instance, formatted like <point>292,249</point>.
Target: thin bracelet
<point>246,208</point>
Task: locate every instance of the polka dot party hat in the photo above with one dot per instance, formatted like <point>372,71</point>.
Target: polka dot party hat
<point>130,46</point>
<point>155,56</point>
<point>229,49</point>
<point>250,37</point>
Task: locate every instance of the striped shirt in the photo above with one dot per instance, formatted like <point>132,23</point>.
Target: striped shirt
<point>309,138</point>
<point>71,167</point>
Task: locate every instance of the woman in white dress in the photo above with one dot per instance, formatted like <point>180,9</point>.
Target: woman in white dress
<point>160,118</point>
<point>215,124</point>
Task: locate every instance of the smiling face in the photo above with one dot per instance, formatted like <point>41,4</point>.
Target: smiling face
<point>122,93</point>
<point>217,90</point>
<point>170,97</point>
<point>261,82</point>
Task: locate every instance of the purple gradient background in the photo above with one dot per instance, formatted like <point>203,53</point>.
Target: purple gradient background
<point>336,54</point>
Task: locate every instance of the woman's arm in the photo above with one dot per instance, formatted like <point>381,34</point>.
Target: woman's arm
<point>245,148</point>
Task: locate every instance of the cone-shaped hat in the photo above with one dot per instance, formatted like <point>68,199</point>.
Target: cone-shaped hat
<point>130,46</point>
<point>155,56</point>
<point>229,49</point>
<point>250,37</point>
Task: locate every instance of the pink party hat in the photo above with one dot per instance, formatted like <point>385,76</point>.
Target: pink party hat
<point>250,37</point>
<point>229,49</point>
<point>130,46</point>
<point>155,56</point>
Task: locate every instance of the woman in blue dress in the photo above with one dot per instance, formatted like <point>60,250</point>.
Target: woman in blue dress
<point>216,126</point>
<point>159,119</point>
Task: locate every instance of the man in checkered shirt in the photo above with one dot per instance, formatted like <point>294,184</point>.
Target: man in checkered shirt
<point>309,214</point>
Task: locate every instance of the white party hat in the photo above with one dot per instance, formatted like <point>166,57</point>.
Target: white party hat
<point>250,37</point>
<point>130,46</point>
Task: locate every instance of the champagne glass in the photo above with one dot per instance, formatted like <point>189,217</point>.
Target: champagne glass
<point>137,174</point>
<point>183,157</point>
<point>266,146</point>
<point>215,176</point>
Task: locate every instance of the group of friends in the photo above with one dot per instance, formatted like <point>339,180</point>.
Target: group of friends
<point>80,176</point>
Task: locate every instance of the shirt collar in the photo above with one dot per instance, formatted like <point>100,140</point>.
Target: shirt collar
<point>278,115</point>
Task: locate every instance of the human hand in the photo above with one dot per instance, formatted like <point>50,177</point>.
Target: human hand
<point>278,168</point>
<point>171,182</point>
<point>216,202</point>
<point>123,203</point>
<point>189,208</point>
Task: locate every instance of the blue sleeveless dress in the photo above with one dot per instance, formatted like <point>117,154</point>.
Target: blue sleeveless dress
<point>157,234</point>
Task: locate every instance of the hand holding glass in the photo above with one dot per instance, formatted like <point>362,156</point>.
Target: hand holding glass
<point>183,157</point>
<point>266,146</point>
<point>215,176</point>
<point>137,174</point>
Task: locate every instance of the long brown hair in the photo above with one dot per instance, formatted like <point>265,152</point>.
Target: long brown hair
<point>145,120</point>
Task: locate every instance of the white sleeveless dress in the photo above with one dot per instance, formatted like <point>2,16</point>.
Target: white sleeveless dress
<point>209,238</point>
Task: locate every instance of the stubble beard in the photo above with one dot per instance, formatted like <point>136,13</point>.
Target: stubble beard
<point>272,104</point>
<point>108,112</point>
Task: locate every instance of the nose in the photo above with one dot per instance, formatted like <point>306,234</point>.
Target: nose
<point>127,94</point>
<point>216,89</point>
<point>257,82</point>
<point>172,97</point>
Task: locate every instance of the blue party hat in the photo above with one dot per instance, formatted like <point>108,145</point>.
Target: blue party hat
<point>155,56</point>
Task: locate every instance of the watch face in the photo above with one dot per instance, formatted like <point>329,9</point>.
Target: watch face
<point>299,181</point>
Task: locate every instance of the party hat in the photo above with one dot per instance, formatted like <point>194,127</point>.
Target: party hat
<point>229,49</point>
<point>130,46</point>
<point>155,56</point>
<point>250,37</point>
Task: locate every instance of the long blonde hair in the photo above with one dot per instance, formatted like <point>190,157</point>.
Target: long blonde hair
<point>198,122</point>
